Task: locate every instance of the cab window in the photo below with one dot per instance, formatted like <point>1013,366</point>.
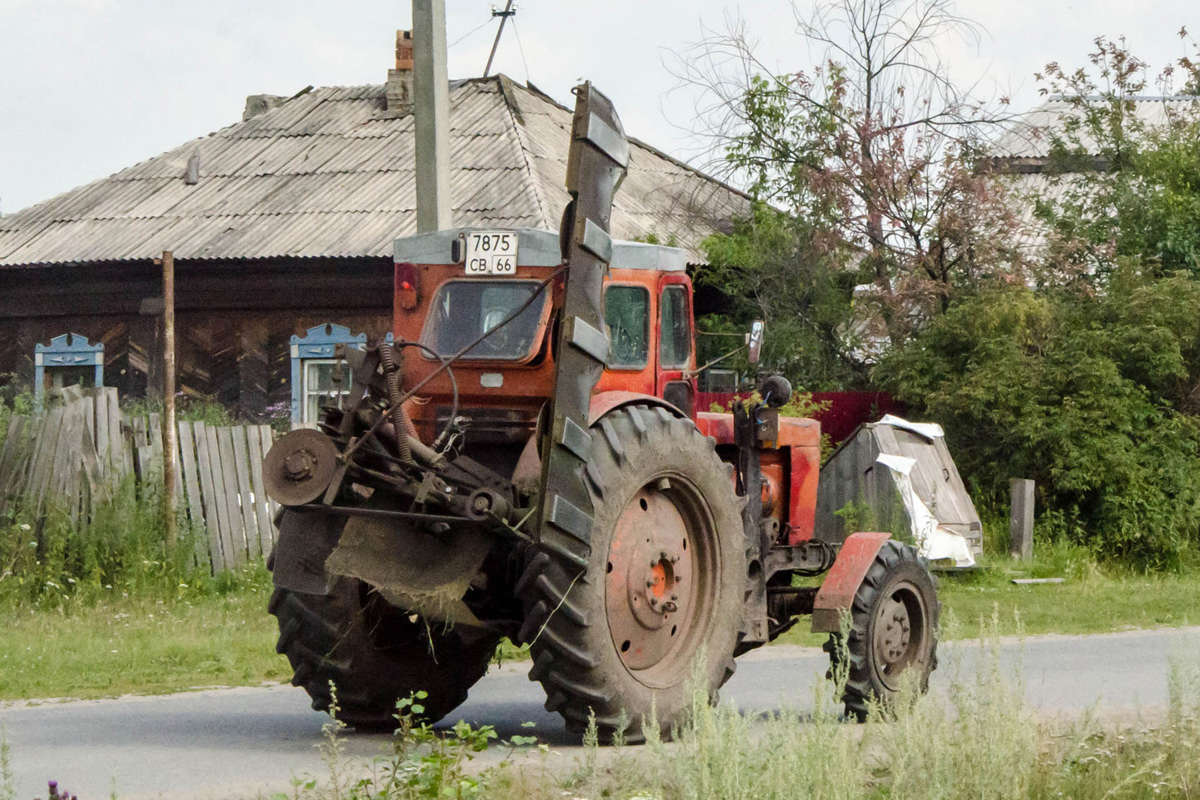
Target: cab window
<point>464,310</point>
<point>627,318</point>
<point>675,341</point>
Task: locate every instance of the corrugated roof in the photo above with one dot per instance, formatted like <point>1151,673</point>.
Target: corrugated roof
<point>1023,151</point>
<point>329,174</point>
<point>1033,132</point>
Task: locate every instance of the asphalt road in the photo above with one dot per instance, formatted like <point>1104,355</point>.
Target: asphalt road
<point>243,742</point>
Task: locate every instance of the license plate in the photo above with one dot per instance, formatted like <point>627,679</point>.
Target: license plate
<point>491,253</point>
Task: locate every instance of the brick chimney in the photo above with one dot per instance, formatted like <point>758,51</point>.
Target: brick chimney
<point>400,79</point>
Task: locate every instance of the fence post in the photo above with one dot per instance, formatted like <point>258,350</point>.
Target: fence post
<point>170,442</point>
<point>1020,521</point>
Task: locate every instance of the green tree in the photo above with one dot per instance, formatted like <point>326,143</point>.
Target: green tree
<point>1124,169</point>
<point>769,268</point>
<point>871,153</point>
<point>1079,392</point>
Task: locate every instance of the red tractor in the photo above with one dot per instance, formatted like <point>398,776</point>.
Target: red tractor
<point>524,460</point>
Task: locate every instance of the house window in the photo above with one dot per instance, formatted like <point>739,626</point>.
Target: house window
<point>321,389</point>
<point>313,371</point>
<point>69,360</point>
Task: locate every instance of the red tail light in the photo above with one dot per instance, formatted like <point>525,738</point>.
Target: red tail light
<point>407,286</point>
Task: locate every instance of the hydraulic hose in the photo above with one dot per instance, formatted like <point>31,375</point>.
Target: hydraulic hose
<point>400,419</point>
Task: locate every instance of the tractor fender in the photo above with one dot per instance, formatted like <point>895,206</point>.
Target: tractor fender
<point>841,584</point>
<point>604,402</point>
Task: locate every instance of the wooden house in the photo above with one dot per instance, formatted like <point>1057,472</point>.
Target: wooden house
<point>282,226</point>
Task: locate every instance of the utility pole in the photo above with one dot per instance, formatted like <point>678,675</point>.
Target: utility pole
<point>503,15</point>
<point>170,445</point>
<point>431,108</point>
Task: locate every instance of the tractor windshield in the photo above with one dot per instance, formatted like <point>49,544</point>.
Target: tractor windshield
<point>463,310</point>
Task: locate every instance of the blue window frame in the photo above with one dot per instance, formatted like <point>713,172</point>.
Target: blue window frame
<point>67,359</point>
<point>312,368</point>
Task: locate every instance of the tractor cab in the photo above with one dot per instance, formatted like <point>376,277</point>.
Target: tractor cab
<point>454,286</point>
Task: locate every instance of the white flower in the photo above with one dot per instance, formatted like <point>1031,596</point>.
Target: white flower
<point>25,527</point>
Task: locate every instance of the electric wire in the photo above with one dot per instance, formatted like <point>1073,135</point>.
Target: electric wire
<point>521,49</point>
<point>473,30</point>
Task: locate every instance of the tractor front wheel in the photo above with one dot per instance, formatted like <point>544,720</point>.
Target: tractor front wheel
<point>893,631</point>
<point>374,653</point>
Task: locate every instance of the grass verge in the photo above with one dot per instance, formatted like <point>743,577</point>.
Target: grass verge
<point>146,646</point>
<point>221,635</point>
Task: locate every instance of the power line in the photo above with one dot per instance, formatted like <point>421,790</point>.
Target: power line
<point>522,49</point>
<point>486,22</point>
<point>503,15</point>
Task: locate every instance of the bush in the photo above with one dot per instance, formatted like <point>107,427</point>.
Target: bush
<point>1086,394</point>
<point>121,549</point>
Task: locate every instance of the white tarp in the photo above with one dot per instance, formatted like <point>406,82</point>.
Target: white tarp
<point>933,541</point>
<point>928,430</point>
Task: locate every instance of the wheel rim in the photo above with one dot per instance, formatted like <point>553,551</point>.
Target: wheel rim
<point>899,633</point>
<point>660,580</point>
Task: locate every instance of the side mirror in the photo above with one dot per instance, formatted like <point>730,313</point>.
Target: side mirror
<point>754,341</point>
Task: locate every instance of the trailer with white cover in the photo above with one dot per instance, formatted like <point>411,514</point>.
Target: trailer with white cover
<point>901,473</point>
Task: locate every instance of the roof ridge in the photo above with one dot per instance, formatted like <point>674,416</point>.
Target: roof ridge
<point>298,179</point>
<point>534,182</point>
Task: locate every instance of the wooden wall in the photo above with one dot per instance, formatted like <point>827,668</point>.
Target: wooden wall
<point>233,323</point>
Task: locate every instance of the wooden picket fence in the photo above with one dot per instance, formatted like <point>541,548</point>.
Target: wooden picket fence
<point>76,454</point>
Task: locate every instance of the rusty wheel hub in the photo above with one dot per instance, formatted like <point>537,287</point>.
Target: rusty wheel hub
<point>299,467</point>
<point>653,597</point>
<point>899,632</point>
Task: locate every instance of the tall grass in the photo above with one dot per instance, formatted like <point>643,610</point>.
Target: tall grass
<point>976,741</point>
<point>49,560</point>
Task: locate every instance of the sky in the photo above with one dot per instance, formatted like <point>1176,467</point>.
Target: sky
<point>89,87</point>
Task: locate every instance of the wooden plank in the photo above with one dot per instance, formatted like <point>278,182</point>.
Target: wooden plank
<point>178,477</point>
<point>103,441</point>
<point>154,431</point>
<point>89,417</point>
<point>115,439</point>
<point>229,476</point>
<point>191,490</point>
<point>48,447</point>
<point>245,492</point>
<point>1020,520</point>
<point>220,501</point>
<point>139,431</point>
<point>268,439</point>
<point>61,469</point>
<point>154,444</point>
<point>128,439</point>
<point>262,508</point>
<point>39,477</point>
<point>89,461</point>
<point>212,525</point>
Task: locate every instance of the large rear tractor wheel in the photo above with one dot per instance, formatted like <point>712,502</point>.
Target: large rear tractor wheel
<point>893,630</point>
<point>375,654</point>
<point>662,589</point>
